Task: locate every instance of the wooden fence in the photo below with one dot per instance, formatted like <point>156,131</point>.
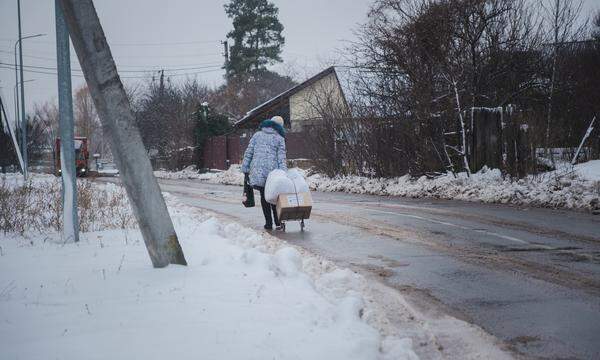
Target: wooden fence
<point>222,151</point>
<point>499,138</point>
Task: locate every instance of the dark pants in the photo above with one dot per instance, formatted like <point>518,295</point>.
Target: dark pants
<point>267,208</point>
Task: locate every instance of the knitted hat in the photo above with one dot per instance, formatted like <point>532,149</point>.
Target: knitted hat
<point>278,120</point>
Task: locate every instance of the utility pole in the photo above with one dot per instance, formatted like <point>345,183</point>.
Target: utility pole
<point>118,123</point>
<point>16,91</point>
<point>226,55</point>
<point>23,121</point>
<point>65,126</point>
<point>161,85</point>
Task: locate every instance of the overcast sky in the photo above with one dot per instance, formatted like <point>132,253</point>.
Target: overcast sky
<point>178,34</point>
<point>154,34</point>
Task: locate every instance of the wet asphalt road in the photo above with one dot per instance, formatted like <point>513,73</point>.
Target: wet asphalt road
<point>530,277</point>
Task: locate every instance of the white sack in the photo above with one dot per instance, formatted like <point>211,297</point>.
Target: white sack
<point>301,186</point>
<point>277,183</point>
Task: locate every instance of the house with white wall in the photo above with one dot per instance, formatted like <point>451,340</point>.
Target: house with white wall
<point>303,105</point>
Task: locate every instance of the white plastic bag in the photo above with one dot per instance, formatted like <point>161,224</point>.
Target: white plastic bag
<point>300,184</point>
<point>280,182</point>
<point>277,183</point>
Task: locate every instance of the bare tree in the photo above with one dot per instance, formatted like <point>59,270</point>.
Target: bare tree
<point>596,26</point>
<point>87,123</point>
<point>165,114</point>
<point>46,115</point>
<point>244,92</point>
<point>42,132</point>
<point>432,61</point>
<point>561,21</point>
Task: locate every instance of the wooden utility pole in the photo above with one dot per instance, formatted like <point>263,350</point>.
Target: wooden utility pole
<point>118,124</point>
<point>226,55</point>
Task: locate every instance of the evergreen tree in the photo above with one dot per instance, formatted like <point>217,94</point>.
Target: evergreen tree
<point>256,34</point>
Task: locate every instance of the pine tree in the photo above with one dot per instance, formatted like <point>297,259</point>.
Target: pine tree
<point>256,34</point>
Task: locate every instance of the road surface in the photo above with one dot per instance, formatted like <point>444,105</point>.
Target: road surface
<point>530,277</point>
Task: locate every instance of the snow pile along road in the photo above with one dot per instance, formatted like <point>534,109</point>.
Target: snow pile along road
<point>243,296</point>
<point>569,190</point>
<point>189,172</point>
<point>575,187</point>
<point>233,176</point>
<point>588,170</point>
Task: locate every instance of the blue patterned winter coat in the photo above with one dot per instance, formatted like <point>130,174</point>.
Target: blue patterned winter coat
<point>265,153</point>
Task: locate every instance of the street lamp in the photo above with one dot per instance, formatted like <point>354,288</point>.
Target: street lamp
<point>24,131</point>
<point>16,65</point>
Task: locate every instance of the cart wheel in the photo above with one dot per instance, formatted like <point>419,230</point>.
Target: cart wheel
<point>302,225</point>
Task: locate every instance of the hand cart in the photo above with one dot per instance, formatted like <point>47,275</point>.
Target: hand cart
<point>294,207</point>
<point>302,225</point>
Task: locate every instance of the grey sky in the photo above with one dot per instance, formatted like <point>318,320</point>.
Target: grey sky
<point>313,30</point>
<point>154,34</point>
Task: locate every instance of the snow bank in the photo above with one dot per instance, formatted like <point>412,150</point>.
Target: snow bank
<point>243,296</point>
<point>575,187</point>
<point>233,176</point>
<point>189,172</point>
<point>569,190</point>
<point>589,170</point>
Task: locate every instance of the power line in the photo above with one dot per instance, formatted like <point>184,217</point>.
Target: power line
<point>169,56</point>
<point>213,65</point>
<point>75,61</point>
<point>133,43</point>
<point>122,77</point>
<point>165,43</point>
<point>74,57</point>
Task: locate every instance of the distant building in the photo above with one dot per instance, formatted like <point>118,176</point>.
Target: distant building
<point>302,105</point>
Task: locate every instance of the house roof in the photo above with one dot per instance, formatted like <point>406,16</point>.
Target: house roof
<point>253,113</point>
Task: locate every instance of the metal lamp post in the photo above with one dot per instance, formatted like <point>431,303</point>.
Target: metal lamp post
<point>66,129</point>
<point>23,124</point>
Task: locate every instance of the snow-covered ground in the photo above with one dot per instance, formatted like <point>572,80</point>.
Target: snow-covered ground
<point>589,170</point>
<point>233,176</point>
<point>244,295</point>
<point>575,187</point>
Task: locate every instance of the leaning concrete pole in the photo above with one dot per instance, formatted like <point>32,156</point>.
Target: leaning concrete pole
<point>118,124</point>
<point>65,126</point>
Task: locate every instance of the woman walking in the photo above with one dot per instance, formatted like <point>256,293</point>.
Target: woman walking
<point>265,153</point>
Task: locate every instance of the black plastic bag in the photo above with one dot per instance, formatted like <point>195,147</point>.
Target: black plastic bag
<point>248,199</point>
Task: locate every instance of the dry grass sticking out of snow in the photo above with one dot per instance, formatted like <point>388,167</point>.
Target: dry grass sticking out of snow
<point>36,205</point>
<point>243,296</point>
